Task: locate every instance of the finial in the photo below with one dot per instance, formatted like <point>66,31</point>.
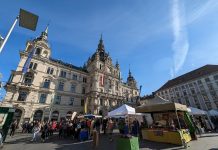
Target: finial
<point>129,71</point>
<point>46,29</point>
<point>101,37</point>
<point>100,45</point>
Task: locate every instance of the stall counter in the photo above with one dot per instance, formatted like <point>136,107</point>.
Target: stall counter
<point>165,136</point>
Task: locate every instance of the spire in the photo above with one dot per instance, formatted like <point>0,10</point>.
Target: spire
<point>117,64</point>
<point>46,29</point>
<point>101,44</point>
<point>130,74</point>
<point>44,34</point>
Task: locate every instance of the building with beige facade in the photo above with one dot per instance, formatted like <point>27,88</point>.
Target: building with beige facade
<point>53,89</point>
<point>198,88</point>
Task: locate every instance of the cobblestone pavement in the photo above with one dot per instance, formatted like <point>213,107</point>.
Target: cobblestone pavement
<point>22,142</point>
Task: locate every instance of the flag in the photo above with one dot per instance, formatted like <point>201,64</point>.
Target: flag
<point>28,60</point>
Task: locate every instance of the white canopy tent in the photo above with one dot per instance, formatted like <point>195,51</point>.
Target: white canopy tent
<point>196,111</point>
<point>213,112</point>
<point>127,111</point>
<point>122,111</point>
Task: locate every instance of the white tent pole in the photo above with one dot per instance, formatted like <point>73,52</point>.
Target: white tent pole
<point>9,32</point>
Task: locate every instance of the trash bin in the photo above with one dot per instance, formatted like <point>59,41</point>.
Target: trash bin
<point>128,143</point>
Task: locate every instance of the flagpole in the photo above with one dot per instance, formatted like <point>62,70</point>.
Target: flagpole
<point>9,32</point>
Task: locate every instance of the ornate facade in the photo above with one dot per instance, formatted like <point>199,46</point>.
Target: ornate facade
<point>53,89</point>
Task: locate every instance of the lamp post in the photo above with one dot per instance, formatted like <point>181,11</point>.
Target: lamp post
<point>26,20</point>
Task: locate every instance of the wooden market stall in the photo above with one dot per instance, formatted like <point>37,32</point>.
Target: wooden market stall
<point>169,123</point>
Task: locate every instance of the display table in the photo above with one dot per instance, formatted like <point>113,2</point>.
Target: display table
<point>128,143</point>
<point>173,137</point>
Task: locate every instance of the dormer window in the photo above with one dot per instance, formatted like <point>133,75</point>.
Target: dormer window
<point>38,51</point>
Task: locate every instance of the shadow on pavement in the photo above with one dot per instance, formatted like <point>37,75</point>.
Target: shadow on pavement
<point>156,145</point>
<point>69,143</point>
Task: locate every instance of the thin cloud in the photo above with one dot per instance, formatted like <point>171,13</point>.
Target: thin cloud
<point>180,45</point>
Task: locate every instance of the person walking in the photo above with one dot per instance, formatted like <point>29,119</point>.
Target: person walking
<point>13,128</point>
<point>110,127</point>
<point>36,130</point>
<point>104,125</point>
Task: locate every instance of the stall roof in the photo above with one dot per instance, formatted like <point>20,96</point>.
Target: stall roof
<point>161,107</point>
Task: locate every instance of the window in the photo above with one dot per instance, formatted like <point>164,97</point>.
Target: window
<point>190,85</point>
<point>184,93</point>
<point>74,77</point>
<point>63,74</point>
<point>205,97</point>
<point>101,102</point>
<point>117,85</point>
<point>57,100</point>
<point>210,86</point>
<point>84,80</point>
<point>100,67</point>
<point>61,86</point>
<point>46,83</point>
<point>71,101</point>
<point>208,105</point>
<point>50,70</point>
<point>110,83</point>
<point>33,66</point>
<point>179,100</point>
<point>38,51</point>
<point>207,79</point>
<point>83,90</point>
<point>43,98</point>
<point>28,78</point>
<point>195,99</point>
<point>101,81</point>
<point>215,77</point>
<point>82,102</point>
<point>10,78</point>
<point>199,82</point>
<point>187,101</point>
<point>22,96</point>
<point>192,91</point>
<point>177,94</point>
<point>73,88</point>
<point>214,95</point>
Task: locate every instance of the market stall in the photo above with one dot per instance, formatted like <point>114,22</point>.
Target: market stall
<point>129,114</point>
<point>89,116</point>
<point>170,123</point>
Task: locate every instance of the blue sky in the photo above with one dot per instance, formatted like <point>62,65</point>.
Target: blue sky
<point>159,39</point>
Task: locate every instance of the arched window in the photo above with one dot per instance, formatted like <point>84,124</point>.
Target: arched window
<point>22,96</point>
<point>28,79</point>
<point>38,51</point>
<point>48,70</point>
<point>69,115</point>
<point>34,66</point>
<point>46,83</point>
<point>38,115</point>
<point>55,115</point>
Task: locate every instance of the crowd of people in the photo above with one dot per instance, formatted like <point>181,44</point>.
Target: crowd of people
<point>74,129</point>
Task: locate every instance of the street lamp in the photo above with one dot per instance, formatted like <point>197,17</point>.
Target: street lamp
<point>26,19</point>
